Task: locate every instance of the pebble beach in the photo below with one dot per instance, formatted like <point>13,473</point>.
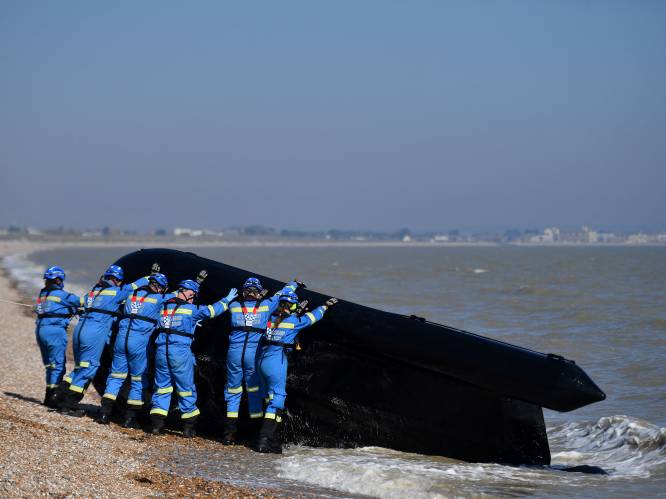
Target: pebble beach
<point>44,453</point>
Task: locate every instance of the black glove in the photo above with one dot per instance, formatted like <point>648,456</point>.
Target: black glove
<point>330,302</point>
<point>300,284</point>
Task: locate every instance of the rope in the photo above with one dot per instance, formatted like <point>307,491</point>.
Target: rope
<point>17,303</point>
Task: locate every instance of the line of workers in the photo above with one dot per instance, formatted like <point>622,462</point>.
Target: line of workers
<point>262,330</point>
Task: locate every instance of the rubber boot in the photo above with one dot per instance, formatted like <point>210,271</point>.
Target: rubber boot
<point>230,431</point>
<point>130,420</point>
<point>253,428</point>
<point>156,423</point>
<point>69,405</point>
<point>189,427</point>
<point>51,398</point>
<point>104,414</point>
<point>266,435</point>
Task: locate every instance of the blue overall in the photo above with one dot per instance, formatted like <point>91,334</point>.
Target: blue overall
<point>272,362</point>
<point>174,360</point>
<point>248,323</point>
<point>94,329</point>
<point>55,307</point>
<point>131,348</point>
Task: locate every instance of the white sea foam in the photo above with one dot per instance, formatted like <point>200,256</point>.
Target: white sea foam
<point>624,447</point>
<point>26,273</point>
<point>480,271</point>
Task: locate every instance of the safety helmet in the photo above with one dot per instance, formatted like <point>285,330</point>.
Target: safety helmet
<point>253,282</point>
<point>115,271</point>
<point>54,272</point>
<point>159,279</point>
<point>189,284</point>
<point>289,297</point>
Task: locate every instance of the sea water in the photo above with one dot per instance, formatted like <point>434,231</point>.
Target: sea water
<point>604,307</point>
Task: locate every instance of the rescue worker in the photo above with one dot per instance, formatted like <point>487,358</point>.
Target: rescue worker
<point>94,331</point>
<point>272,363</point>
<point>131,349</point>
<point>55,308</point>
<point>248,322</point>
<point>174,360</point>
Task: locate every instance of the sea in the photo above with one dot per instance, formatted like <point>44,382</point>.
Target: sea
<point>604,307</point>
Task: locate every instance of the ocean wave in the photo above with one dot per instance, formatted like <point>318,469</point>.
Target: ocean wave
<point>24,272</point>
<point>622,445</point>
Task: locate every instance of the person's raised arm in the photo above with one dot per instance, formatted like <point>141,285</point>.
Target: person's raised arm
<point>219,307</point>
<point>309,318</point>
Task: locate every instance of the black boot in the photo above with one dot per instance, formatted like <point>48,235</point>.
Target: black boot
<point>156,423</point>
<point>69,405</point>
<point>130,420</point>
<point>230,431</point>
<point>268,429</point>
<point>104,414</point>
<point>189,427</point>
<point>51,398</point>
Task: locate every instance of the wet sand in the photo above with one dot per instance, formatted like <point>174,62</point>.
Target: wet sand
<point>45,453</point>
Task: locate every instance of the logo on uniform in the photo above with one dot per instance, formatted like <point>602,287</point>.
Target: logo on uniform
<point>249,319</point>
<point>134,307</point>
<point>89,301</point>
<point>166,320</point>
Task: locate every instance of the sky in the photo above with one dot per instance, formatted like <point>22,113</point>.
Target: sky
<point>432,115</point>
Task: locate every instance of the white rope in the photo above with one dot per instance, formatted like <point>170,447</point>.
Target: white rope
<point>17,303</point>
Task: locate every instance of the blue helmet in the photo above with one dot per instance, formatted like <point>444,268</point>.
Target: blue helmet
<point>115,271</point>
<point>54,272</point>
<point>159,279</point>
<point>253,282</point>
<point>289,297</point>
<point>189,284</point>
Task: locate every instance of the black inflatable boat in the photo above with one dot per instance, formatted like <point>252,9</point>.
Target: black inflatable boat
<point>367,377</point>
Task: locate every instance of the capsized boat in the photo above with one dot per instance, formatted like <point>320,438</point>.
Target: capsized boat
<point>365,377</point>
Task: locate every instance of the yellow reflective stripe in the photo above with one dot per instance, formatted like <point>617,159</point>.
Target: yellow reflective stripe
<point>52,386</point>
<point>134,286</point>
<point>49,366</point>
<point>278,419</point>
<point>286,325</point>
<point>291,286</point>
<point>84,363</point>
<point>255,415</point>
<point>137,378</point>
<point>184,394</point>
<point>149,300</point>
<point>311,317</point>
<point>119,375</point>
<point>252,389</point>
<point>108,292</point>
<point>263,309</point>
<point>211,310</point>
<point>236,309</point>
<point>168,389</point>
<point>135,402</point>
<point>53,298</point>
<point>161,412</point>
<point>183,311</point>
<point>269,415</point>
<point>188,415</point>
<point>81,300</point>
<point>68,379</point>
<point>232,414</point>
<point>235,390</point>
<point>109,396</point>
<point>77,389</point>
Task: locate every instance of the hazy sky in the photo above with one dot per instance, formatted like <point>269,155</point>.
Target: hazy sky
<point>360,114</point>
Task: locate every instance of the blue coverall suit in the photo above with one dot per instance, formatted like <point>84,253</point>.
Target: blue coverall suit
<point>248,323</point>
<point>55,308</point>
<point>272,361</point>
<point>94,329</point>
<point>174,360</point>
<point>130,351</point>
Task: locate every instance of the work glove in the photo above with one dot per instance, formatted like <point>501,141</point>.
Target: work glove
<point>330,302</point>
<point>233,293</point>
<point>300,284</point>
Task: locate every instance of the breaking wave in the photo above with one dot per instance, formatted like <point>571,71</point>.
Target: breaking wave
<point>624,447</point>
<point>24,272</point>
